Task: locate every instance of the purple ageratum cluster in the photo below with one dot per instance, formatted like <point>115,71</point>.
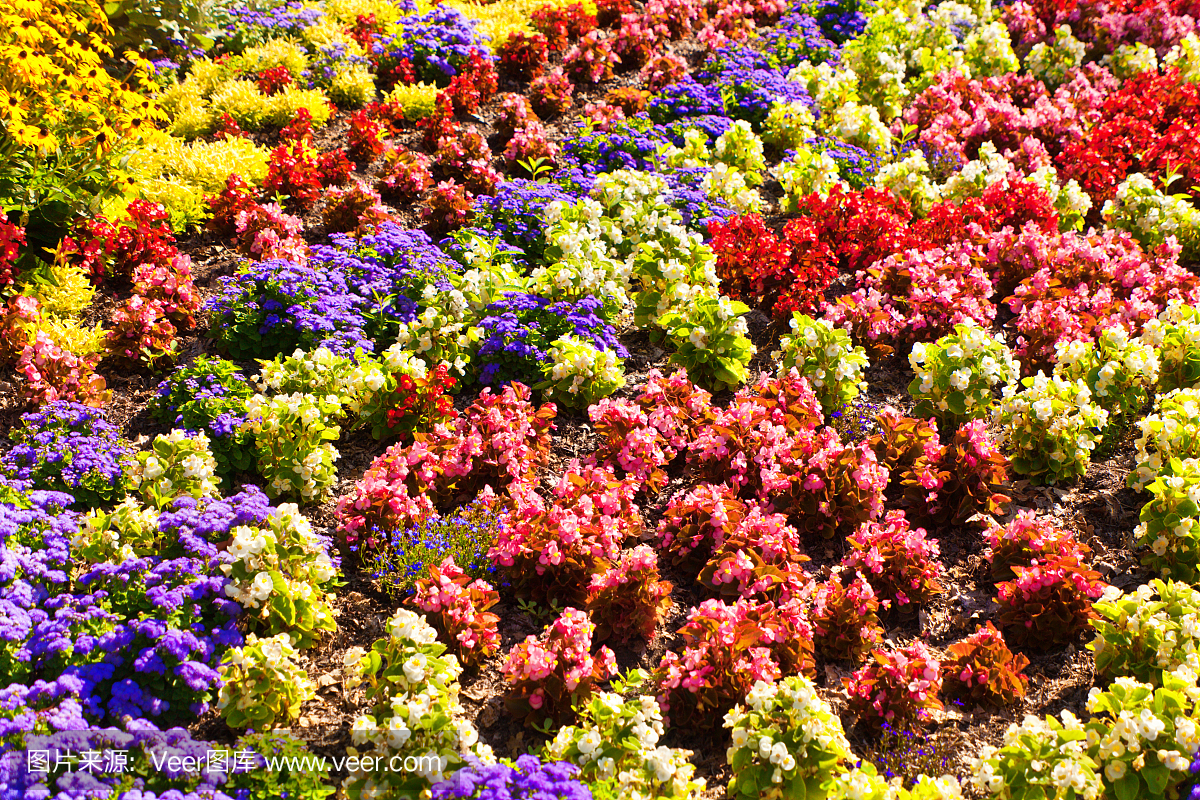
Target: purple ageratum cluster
<point>436,44</point>
<point>193,527</point>
<point>712,126</point>
<point>627,144</point>
<point>741,81</point>
<point>516,215</point>
<point>210,395</point>
<point>390,269</point>
<point>250,25</point>
<point>143,638</point>
<point>697,208</point>
<point>840,20</point>
<point>686,98</point>
<point>276,306</point>
<point>69,447</point>
<point>389,261</point>
<point>520,329</point>
<point>528,779</point>
<point>323,66</point>
<point>167,764</point>
<point>795,38</point>
<point>156,655</point>
<point>751,93</point>
<point>856,165</point>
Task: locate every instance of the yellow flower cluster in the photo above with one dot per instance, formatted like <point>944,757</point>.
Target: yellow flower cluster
<point>54,89</point>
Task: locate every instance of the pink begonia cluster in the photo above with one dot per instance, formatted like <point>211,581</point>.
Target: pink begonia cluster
<point>1103,25</point>
<point>547,674</point>
<point>737,19</point>
<point>553,549</point>
<point>496,445</point>
<point>1027,123</point>
<point>1049,603</point>
<point>1027,539</point>
<point>642,436</point>
<point>141,334</point>
<point>591,59</point>
<point>765,445</point>
<point>601,115</point>
<point>356,208</point>
<point>844,613</point>
<point>1085,284</point>
<point>727,648</point>
<point>52,373</point>
<point>899,687</point>
<point>172,286</point>
<point>637,41</point>
<point>675,17</point>
<point>950,483</point>
<point>514,113</point>
<point>461,608</point>
<point>266,232</point>
<point>628,599</point>
<point>898,560</point>
<point>759,558</point>
<point>917,295</point>
<point>530,143</point>
<point>704,515</point>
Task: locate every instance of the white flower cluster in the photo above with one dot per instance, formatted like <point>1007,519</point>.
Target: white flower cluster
<point>1051,62</point>
<point>1050,426</point>
<point>860,125</point>
<point>730,185</point>
<point>489,271</point>
<point>960,370</point>
<point>440,339</point>
<point>988,50</point>
<point>1135,724</point>
<point>1150,215</point>
<point>988,168</point>
<point>1186,56</point>
<point>1176,336</point>
<point>788,125</point>
<point>617,739</point>
<point>179,463</point>
<point>806,172</point>
<point>116,536</point>
<point>263,683</point>
<point>580,374</point>
<point>741,149</point>
<point>1172,431</point>
<point>1121,372</point>
<point>790,735</point>
<point>825,356</point>
<point>909,178</point>
<point>287,558</point>
<point>1129,60</point>
<point>574,276</point>
<point>1070,200</point>
<point>694,152</point>
<point>417,721</point>
<point>1151,630</point>
<point>1042,753</point>
<point>291,431</point>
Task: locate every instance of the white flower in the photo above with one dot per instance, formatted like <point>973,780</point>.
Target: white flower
<point>414,668</point>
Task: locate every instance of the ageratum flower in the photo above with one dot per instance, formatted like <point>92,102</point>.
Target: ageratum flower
<point>69,447</point>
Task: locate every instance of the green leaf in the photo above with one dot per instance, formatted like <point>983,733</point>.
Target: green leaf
<point>1157,777</point>
<point>1127,787</point>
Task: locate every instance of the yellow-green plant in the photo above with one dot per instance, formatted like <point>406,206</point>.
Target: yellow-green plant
<point>264,686</point>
